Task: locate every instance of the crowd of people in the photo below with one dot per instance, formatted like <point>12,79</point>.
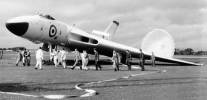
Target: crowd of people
<point>80,59</point>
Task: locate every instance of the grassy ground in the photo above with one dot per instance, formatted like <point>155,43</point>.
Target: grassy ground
<point>51,80</point>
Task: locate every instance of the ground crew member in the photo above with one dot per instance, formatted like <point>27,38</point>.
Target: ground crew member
<point>63,58</point>
<point>84,57</point>
<point>55,59</point>
<point>39,58</point>
<point>128,59</point>
<point>52,56</point>
<point>115,61</point>
<point>153,59</point>
<point>59,57</point>
<point>28,58</point>
<point>142,60</point>
<point>96,59</point>
<point>86,60</point>
<point>77,59</point>
<point>2,53</point>
<point>24,52</point>
<point>19,57</point>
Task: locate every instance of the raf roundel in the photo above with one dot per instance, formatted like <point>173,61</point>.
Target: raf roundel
<point>52,31</point>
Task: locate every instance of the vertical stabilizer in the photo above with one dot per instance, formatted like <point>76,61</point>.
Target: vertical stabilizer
<point>112,27</point>
<point>108,32</point>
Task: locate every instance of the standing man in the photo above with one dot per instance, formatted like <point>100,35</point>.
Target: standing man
<point>19,57</point>
<point>55,59</point>
<point>115,61</point>
<point>153,59</point>
<point>2,53</point>
<point>87,60</point>
<point>142,60</point>
<point>24,59</point>
<point>128,59</point>
<point>63,58</point>
<point>77,59</point>
<point>84,57</point>
<point>59,57</point>
<point>39,58</point>
<point>28,58</point>
<point>52,56</point>
<point>96,59</point>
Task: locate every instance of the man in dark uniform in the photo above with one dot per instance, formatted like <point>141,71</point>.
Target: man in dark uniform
<point>142,60</point>
<point>24,57</point>
<point>128,59</point>
<point>2,53</point>
<point>96,59</point>
<point>28,57</point>
<point>153,59</point>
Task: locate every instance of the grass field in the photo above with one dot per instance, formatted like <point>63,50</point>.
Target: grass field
<point>51,80</point>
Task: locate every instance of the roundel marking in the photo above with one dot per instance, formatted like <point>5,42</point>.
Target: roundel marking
<point>52,31</point>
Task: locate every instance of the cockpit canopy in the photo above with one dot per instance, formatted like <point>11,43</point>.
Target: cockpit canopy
<point>47,16</point>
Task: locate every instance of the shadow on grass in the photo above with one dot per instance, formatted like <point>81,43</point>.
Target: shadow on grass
<point>37,87</point>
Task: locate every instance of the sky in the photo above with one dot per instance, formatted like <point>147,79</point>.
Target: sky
<point>185,20</point>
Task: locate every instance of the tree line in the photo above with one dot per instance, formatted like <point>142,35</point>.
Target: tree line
<point>189,51</point>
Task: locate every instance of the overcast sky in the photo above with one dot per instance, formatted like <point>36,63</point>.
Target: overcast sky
<point>185,20</point>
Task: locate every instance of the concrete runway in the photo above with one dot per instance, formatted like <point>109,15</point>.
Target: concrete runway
<point>160,83</point>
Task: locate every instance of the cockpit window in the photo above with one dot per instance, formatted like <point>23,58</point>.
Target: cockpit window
<point>47,17</point>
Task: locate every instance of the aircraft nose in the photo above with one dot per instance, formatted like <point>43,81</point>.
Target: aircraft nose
<point>17,28</point>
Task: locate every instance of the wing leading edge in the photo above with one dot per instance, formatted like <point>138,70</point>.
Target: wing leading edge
<point>177,61</point>
<point>109,46</point>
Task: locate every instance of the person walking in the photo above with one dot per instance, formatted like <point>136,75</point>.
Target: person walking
<point>59,57</point>
<point>77,59</point>
<point>96,60</point>
<point>1,53</point>
<point>153,59</point>
<point>55,59</point>
<point>63,58</point>
<point>84,57</point>
<point>28,57</point>
<point>39,58</point>
<point>115,61</point>
<point>24,53</point>
<point>142,60</point>
<point>19,57</point>
<point>128,59</point>
<point>52,56</point>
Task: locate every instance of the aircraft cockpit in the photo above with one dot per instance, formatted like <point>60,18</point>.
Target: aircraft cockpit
<point>47,16</point>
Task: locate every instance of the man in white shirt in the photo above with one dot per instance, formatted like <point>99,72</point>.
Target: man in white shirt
<point>84,57</point>
<point>55,59</point>
<point>77,59</point>
<point>39,58</point>
<point>63,57</point>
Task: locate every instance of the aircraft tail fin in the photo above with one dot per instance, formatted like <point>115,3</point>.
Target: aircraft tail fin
<point>112,27</point>
<point>108,32</point>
